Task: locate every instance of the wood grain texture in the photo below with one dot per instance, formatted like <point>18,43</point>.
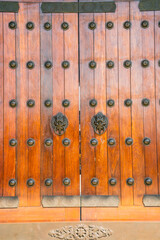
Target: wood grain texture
<point>112,93</point>
<point>125,112</point>
<point>22,110</point>
<point>1,102</point>
<point>34,113</point>
<point>137,108</point>
<point>9,113</point>
<point>149,112</point>
<point>46,112</point>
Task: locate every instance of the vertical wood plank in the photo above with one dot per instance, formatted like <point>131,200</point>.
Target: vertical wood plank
<point>100,96</point>
<point>125,112</point>
<point>9,113</point>
<point>22,110</point>
<point>87,93</point>
<point>72,112</point>
<point>1,102</point>
<point>46,112</point>
<point>34,113</point>
<point>149,112</point>
<point>58,97</point>
<point>157,76</point>
<point>112,93</point>
<point>137,108</point>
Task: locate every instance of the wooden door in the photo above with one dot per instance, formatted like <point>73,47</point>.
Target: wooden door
<point>79,112</point>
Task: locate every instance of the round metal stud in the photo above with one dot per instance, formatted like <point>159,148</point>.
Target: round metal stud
<point>109,25</point>
<point>48,103</point>
<point>110,64</point>
<point>13,103</point>
<point>30,142</point>
<point>127,25</point>
<point>94,182</point>
<point>48,182</point>
<point>12,182</point>
<point>94,142</point>
<point>145,24</point>
<point>47,26</point>
<point>65,103</point>
<point>93,103</point>
<point>66,142</point>
<point>30,103</point>
<point>110,103</point>
<point>66,182</point>
<point>146,141</point>
<point>159,63</point>
<point>64,25</point>
<point>111,142</point>
<point>12,25</point>
<point>128,102</point>
<point>30,65</point>
<point>92,25</point>
<point>127,64</point>
<point>159,24</point>
<point>12,142</point>
<point>48,142</point>
<point>129,141</point>
<point>112,181</point>
<point>65,64</point>
<point>30,182</point>
<point>30,25</point>
<point>92,64</point>
<point>145,63</point>
<point>148,181</point>
<point>130,181</point>
<point>13,64</point>
<point>145,102</point>
<point>48,64</point>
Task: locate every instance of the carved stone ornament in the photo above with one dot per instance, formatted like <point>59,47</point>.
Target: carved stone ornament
<point>99,123</point>
<point>59,123</point>
<point>81,232</point>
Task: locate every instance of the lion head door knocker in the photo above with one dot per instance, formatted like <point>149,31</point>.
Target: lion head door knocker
<point>99,123</point>
<point>59,123</point>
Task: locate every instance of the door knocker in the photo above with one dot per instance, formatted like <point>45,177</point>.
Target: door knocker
<point>59,123</point>
<point>99,123</point>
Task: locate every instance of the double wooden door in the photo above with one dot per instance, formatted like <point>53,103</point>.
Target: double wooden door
<point>79,111</point>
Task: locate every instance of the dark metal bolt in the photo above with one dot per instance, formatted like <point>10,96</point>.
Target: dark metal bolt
<point>13,103</point>
<point>64,25</point>
<point>13,64</point>
<point>94,142</point>
<point>48,182</point>
<point>92,64</point>
<point>93,103</point>
<point>48,142</point>
<point>66,142</point>
<point>110,103</point>
<point>13,142</point>
<point>30,103</point>
<point>12,25</point>
<point>128,102</point>
<point>47,26</point>
<point>92,25</point>
<point>146,141</point>
<point>111,142</point>
<point>48,103</point>
<point>145,63</point>
<point>127,64</point>
<point>145,102</point>
<point>30,142</point>
<point>145,24</point>
<point>127,25</point>
<point>130,181</point>
<point>129,141</point>
<point>66,182</point>
<point>30,25</point>
<point>65,64</point>
<point>94,182</point>
<point>112,181</point>
<point>65,103</point>
<point>109,25</point>
<point>12,182</point>
<point>48,64</point>
<point>148,181</point>
<point>110,64</point>
<point>30,65</point>
<point>30,182</point>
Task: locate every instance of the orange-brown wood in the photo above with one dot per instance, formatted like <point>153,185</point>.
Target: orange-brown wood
<point>46,112</point>
<point>124,112</point>
<point>34,113</point>
<point>22,110</point>
<point>113,155</point>
<point>1,102</point>
<point>137,108</point>
<point>150,111</point>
